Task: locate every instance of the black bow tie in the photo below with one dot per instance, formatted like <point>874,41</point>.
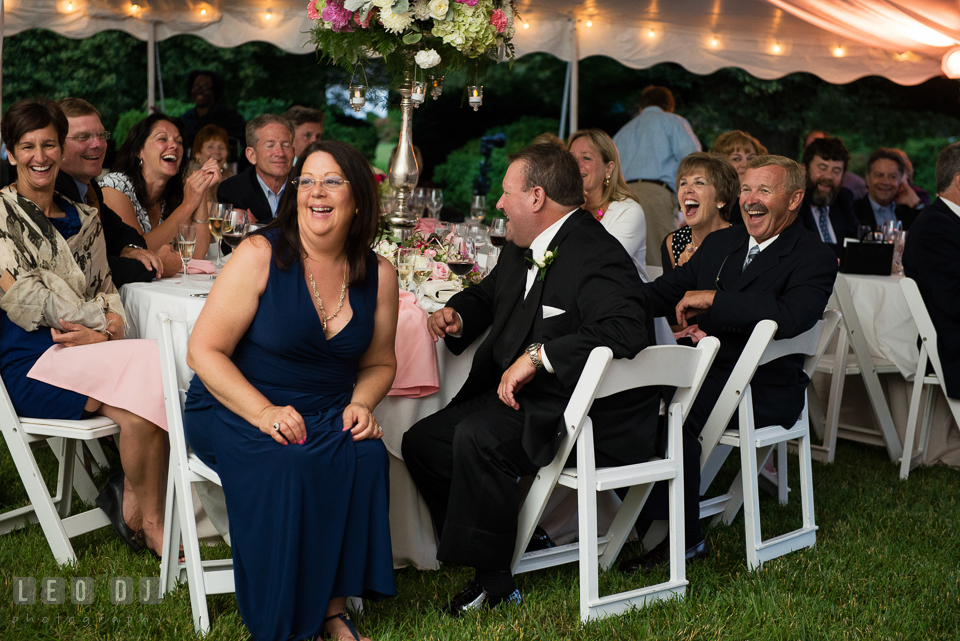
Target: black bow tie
<point>528,258</point>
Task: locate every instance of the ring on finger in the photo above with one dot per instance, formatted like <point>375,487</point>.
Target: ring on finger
<point>276,427</point>
<point>379,430</point>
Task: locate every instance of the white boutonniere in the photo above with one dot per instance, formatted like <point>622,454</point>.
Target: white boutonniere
<point>543,263</point>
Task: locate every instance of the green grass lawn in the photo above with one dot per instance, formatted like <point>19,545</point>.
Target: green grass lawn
<point>886,566</point>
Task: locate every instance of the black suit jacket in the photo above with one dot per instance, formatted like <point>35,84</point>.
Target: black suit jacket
<point>865,216</point>
<point>842,218</point>
<point>788,282</point>
<point>243,191</point>
<point>117,234</point>
<point>593,280</point>
<point>931,257</point>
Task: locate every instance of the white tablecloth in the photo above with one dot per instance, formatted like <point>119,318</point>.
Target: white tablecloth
<point>411,527</point>
<point>891,333</point>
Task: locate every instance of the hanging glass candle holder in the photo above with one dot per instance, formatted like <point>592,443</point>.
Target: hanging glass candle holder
<point>436,86</point>
<point>358,96</point>
<point>418,92</point>
<point>475,96</point>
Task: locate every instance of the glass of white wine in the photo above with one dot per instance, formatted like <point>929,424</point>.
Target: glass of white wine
<point>405,263</point>
<point>422,270</point>
<point>186,242</point>
<point>217,213</point>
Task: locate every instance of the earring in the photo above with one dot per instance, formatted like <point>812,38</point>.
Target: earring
<point>720,205</point>
<point>606,181</point>
<point>140,158</point>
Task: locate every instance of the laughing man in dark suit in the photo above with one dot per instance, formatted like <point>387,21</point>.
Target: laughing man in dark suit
<point>506,421</point>
<point>827,207</point>
<point>770,267</point>
<point>931,257</point>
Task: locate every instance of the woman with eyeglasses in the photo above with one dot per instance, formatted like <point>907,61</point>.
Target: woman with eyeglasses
<point>293,350</point>
<point>150,191</point>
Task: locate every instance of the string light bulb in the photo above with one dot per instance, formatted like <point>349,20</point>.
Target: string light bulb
<point>203,12</point>
<point>69,6</point>
<point>714,42</point>
<point>589,23</point>
<point>526,25</point>
<point>950,64</point>
<point>838,52</point>
<point>776,48</point>
<point>651,33</point>
<point>268,15</point>
<point>134,8</point>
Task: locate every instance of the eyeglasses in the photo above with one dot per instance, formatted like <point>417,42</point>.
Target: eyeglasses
<point>330,184</point>
<point>81,138</point>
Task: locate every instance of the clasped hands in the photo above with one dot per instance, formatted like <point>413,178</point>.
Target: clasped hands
<point>73,335</point>
<point>693,304</point>
<point>357,418</point>
<point>447,321</point>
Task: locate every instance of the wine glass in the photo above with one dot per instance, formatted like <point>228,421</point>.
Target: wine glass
<point>406,259</point>
<point>891,230</point>
<point>422,269</point>
<point>461,257</point>
<point>234,222</point>
<point>186,242</point>
<point>478,207</point>
<point>498,232</point>
<point>418,201</point>
<point>434,201</point>
<point>215,222</point>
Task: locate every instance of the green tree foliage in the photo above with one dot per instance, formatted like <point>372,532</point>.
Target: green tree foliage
<point>456,175</point>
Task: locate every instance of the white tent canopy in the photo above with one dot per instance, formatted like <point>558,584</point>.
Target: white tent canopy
<point>838,40</point>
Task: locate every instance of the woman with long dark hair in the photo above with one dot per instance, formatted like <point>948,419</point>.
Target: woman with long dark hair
<point>292,352</point>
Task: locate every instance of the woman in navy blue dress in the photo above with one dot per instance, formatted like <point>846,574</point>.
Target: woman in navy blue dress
<point>293,350</point>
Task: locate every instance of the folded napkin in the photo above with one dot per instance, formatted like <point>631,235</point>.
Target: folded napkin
<point>200,266</point>
<point>124,374</point>
<point>426,226</point>
<point>417,373</point>
<point>439,290</point>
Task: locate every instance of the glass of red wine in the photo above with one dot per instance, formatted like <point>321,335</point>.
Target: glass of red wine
<point>461,256</point>
<point>234,224</point>
<point>498,232</point>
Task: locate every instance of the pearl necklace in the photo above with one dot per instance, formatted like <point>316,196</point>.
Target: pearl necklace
<point>323,313</point>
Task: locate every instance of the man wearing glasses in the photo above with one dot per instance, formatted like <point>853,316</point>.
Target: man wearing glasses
<point>770,267</point>
<point>83,153</point>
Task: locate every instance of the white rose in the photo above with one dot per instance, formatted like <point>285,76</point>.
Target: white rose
<point>439,8</point>
<point>383,3</point>
<point>427,59</point>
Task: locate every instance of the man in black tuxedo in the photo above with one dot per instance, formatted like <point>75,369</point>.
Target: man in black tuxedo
<point>259,188</point>
<point>83,151</point>
<point>827,207</point>
<point>889,197</point>
<point>561,287</point>
<point>931,257</point>
<point>769,268</point>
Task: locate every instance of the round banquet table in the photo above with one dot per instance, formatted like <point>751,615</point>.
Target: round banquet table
<point>411,528</point>
<point>891,334</point>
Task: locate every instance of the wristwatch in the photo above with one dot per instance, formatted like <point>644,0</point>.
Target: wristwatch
<point>533,351</point>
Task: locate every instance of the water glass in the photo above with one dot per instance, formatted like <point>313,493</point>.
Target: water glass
<point>434,201</point>
<point>891,230</point>
<point>478,207</point>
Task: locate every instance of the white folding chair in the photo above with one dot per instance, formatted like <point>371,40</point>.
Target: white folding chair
<point>840,364</point>
<point>681,367</point>
<point>22,435</point>
<point>203,577</point>
<point>928,351</point>
<point>756,443</point>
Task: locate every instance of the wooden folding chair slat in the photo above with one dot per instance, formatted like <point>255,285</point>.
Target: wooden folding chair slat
<point>682,367</point>
<point>912,457</point>
<point>203,577</point>
<point>22,435</point>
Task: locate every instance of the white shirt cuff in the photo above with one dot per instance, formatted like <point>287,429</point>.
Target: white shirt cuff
<point>546,361</point>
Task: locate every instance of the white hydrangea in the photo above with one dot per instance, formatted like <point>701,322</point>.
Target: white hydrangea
<point>421,10</point>
<point>439,8</point>
<point>427,59</point>
<point>394,22</point>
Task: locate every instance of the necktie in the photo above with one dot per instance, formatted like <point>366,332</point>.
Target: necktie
<point>825,225</point>
<point>750,256</point>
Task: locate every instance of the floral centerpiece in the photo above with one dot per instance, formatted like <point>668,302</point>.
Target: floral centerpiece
<point>431,245</point>
<point>439,35</point>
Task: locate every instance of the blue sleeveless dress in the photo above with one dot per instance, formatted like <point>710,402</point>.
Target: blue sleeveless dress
<point>307,522</point>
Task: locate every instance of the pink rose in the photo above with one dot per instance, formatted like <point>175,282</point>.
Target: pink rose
<point>432,253</point>
<point>469,3</point>
<point>337,16</point>
<point>499,20</point>
<point>312,12</point>
<point>440,271</point>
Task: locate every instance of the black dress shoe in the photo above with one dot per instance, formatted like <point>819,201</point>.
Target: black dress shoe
<point>111,502</point>
<point>540,541</point>
<point>661,554</point>
<point>473,598</point>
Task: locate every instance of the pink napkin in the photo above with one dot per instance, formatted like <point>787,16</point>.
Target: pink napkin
<point>416,352</point>
<point>200,266</point>
<point>124,374</point>
<point>426,226</point>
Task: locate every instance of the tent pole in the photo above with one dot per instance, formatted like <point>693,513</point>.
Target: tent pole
<point>566,102</point>
<point>163,102</point>
<point>151,66</point>
<point>574,77</point>
<point>2,11</point>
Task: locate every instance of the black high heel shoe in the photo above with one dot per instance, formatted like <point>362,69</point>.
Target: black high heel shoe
<point>110,501</point>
